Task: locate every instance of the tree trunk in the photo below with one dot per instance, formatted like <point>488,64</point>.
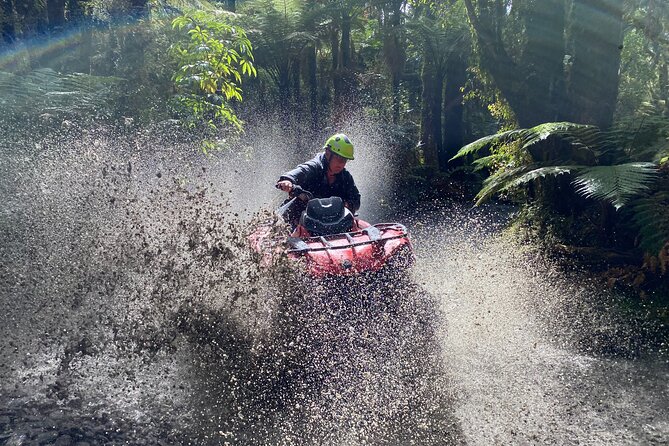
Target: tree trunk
<point>55,10</point>
<point>430,125</point>
<point>334,45</point>
<point>595,39</point>
<point>7,27</point>
<point>394,53</point>
<point>664,82</point>
<point>231,5</point>
<point>283,77</point>
<point>312,82</point>
<point>344,77</point>
<point>345,47</point>
<point>542,62</point>
<point>531,85</point>
<point>456,76</point>
<point>296,87</point>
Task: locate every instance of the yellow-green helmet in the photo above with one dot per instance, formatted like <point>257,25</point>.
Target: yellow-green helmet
<point>341,145</point>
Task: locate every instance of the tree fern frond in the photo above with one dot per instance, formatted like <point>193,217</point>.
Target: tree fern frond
<point>488,141</point>
<point>578,135</point>
<point>499,182</point>
<point>485,162</point>
<point>615,184</point>
<point>651,215</point>
<point>542,172</point>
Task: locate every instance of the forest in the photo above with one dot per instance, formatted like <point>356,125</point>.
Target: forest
<point>152,294</point>
<point>572,95</point>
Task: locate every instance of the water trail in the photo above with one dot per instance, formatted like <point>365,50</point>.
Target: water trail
<point>537,354</point>
<point>133,308</point>
<point>133,312</point>
<point>120,251</point>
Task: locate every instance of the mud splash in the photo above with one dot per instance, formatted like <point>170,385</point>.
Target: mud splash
<point>114,262</point>
<point>537,353</point>
<point>134,312</point>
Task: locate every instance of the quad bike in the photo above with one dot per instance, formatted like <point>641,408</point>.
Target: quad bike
<point>331,241</point>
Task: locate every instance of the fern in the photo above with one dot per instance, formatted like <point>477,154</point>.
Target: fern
<point>508,179</point>
<point>615,184</point>
<point>651,215</point>
<point>485,162</point>
<point>578,135</point>
<point>499,182</point>
<point>542,172</point>
<point>487,142</point>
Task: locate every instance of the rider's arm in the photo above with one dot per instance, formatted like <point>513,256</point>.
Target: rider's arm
<point>304,175</point>
<point>351,194</point>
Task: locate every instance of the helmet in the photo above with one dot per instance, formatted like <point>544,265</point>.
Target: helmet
<point>341,145</point>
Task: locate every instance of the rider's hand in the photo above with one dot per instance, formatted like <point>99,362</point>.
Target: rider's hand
<point>285,185</point>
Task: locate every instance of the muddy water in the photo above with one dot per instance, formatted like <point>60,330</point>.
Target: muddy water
<point>133,313</point>
<point>536,354</point>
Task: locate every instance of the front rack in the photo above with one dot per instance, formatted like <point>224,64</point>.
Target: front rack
<point>373,232</point>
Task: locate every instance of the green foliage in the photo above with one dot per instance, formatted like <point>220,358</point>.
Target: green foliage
<point>578,135</point>
<point>519,157</point>
<point>616,184</point>
<point>651,215</point>
<point>488,142</point>
<point>645,58</point>
<point>213,55</point>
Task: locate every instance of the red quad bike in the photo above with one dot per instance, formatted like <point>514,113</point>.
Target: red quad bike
<point>331,241</point>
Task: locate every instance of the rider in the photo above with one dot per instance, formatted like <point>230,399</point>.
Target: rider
<point>325,175</point>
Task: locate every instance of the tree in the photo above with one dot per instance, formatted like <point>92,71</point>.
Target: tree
<point>595,41</point>
<point>445,49</point>
<point>56,15</point>
<point>275,28</point>
<point>7,22</point>
<point>394,48</point>
<point>213,57</point>
<point>566,65</point>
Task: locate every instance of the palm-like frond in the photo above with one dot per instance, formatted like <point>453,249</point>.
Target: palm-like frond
<point>615,184</point>
<point>487,142</point>
<point>542,172</point>
<point>511,178</point>
<point>499,182</point>
<point>579,136</point>
<point>302,37</point>
<point>485,162</point>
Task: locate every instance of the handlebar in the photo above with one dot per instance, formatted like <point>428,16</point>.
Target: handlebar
<point>298,192</point>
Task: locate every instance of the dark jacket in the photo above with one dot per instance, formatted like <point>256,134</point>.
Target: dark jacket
<point>312,176</point>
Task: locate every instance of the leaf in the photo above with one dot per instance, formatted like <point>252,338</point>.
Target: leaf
<point>487,141</point>
<point>651,215</point>
<point>615,184</point>
<point>541,172</point>
<point>567,130</point>
<point>498,182</point>
<point>486,161</point>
